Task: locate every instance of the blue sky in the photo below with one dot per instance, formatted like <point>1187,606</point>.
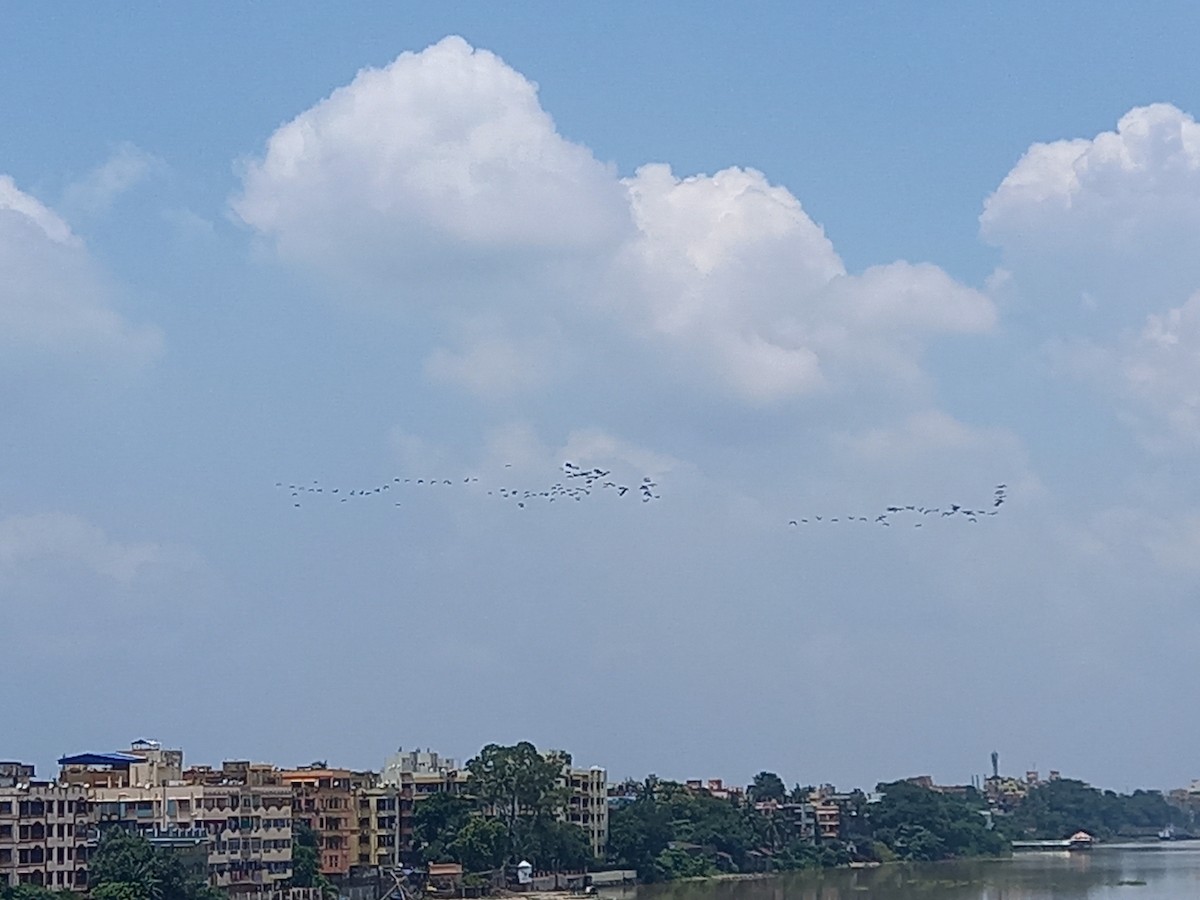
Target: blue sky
<point>787,261</point>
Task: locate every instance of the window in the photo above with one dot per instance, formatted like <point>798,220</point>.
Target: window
<point>5,807</point>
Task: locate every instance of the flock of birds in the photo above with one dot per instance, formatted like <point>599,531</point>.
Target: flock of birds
<point>920,513</point>
<point>577,484</point>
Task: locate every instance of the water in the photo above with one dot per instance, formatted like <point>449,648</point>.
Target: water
<point>1140,872</point>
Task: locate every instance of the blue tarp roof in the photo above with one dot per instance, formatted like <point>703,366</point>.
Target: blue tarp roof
<point>100,759</point>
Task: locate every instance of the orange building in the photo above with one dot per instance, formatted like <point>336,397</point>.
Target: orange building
<point>323,799</point>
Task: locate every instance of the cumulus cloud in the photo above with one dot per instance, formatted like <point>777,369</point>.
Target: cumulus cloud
<point>52,298</point>
<point>443,159</point>
<point>1108,228</point>
<point>1113,219</point>
<point>440,180</point>
<point>66,538</point>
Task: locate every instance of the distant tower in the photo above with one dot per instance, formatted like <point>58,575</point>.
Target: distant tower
<point>995,764</point>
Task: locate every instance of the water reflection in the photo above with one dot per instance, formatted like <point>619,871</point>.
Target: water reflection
<point>1148,872</point>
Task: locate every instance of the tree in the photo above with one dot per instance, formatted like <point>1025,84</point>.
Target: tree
<point>306,859</point>
<point>28,891</point>
<point>554,845</point>
<point>116,890</point>
<point>1059,808</point>
<point>917,823</point>
<point>127,862</point>
<point>437,820</point>
<point>517,782</point>
<point>126,866</point>
<point>767,786</point>
<point>638,832</point>
<point>481,845</point>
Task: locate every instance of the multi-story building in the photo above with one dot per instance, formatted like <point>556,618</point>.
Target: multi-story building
<point>238,818</point>
<point>715,787</point>
<point>415,761</point>
<point>417,775</point>
<point>378,822</point>
<point>323,799</point>
<point>587,804</point>
<point>144,763</point>
<point>43,831</point>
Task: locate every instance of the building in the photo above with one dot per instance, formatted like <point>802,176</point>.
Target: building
<point>324,800</point>
<point>415,761</point>
<point>416,775</point>
<point>587,805</point>
<point>715,787</point>
<point>44,829</point>
<point>237,819</point>
<point>378,825</point>
<point>144,763</point>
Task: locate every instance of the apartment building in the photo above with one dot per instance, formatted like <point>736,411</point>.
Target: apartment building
<point>324,800</point>
<point>144,763</point>
<point>43,831</point>
<point>587,805</point>
<point>239,818</point>
<point>417,775</point>
<point>378,823</point>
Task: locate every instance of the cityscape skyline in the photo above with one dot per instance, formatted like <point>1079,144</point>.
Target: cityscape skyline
<point>756,265</point>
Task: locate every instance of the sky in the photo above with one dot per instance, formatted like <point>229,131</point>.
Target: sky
<point>783,260</point>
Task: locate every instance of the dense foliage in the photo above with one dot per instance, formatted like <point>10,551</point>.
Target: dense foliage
<point>915,823</point>
<point>30,892</point>
<point>1057,809</point>
<point>509,813</point>
<point>126,866</point>
<point>668,831</point>
<point>306,858</point>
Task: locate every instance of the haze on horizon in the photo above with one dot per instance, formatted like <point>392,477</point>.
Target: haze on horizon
<point>785,262</point>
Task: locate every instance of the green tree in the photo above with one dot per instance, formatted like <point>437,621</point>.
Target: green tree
<point>117,890</point>
<point>437,820</point>
<point>517,782</point>
<point>29,891</point>
<point>481,844</point>
<point>638,832</point>
<point>126,866</point>
<point>552,845</point>
<point>1057,809</point>
<point>767,786</point>
<point>917,823</point>
<point>306,859</point>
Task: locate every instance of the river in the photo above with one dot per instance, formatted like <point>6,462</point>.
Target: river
<point>1131,872</point>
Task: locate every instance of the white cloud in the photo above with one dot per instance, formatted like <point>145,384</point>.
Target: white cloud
<point>1106,231</point>
<point>1153,375</point>
<point>66,538</point>
<point>440,161</point>
<point>439,182</point>
<point>52,298</point>
<point>1114,219</point>
<point>127,166</point>
<point>1117,187</point>
<point>734,272</point>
